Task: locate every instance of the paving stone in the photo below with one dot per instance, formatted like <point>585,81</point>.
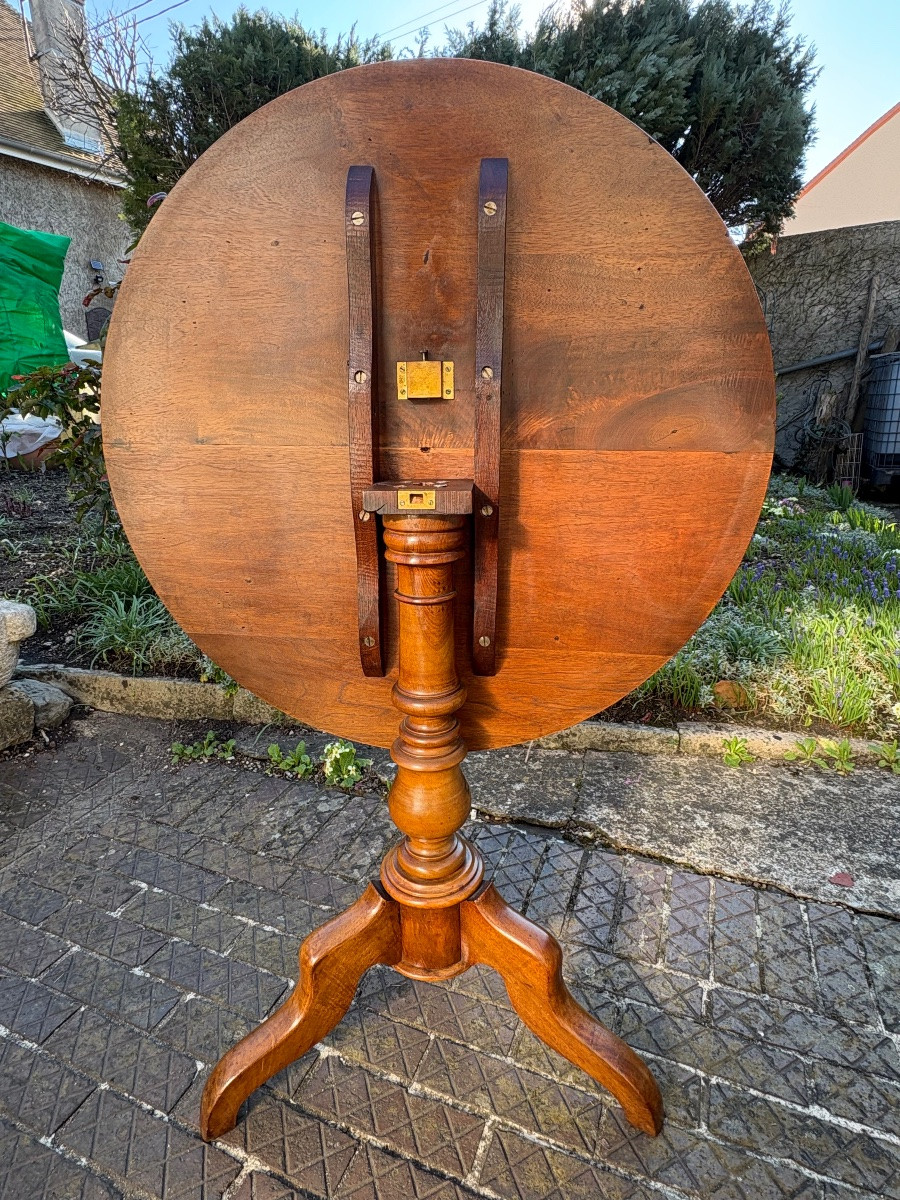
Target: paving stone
<point>29,901</point>
<point>541,786</point>
<point>867,1099</point>
<point>601,972</point>
<point>840,964</point>
<point>525,1170</point>
<point>308,1151</point>
<point>491,1085</point>
<point>316,888</point>
<point>202,1029</point>
<point>373,1040</point>
<point>100,850</point>
<point>113,988</point>
<point>785,949</point>
<point>735,948</point>
<point>275,909</point>
<point>38,1091</point>
<point>235,862</point>
<point>116,937</point>
<point>160,871</point>
<point>590,922</point>
<point>433,1133</point>
<point>287,1082</point>
<point>263,825</point>
<point>360,857</point>
<point>805,1033</point>
<point>716,1052</point>
<point>127,830</point>
<point>259,1186</point>
<point>639,927</point>
<point>482,982</point>
<point>687,936</point>
<point>692,1163</point>
<point>492,840</point>
<point>850,1157</point>
<point>440,1011</point>
<point>275,952</point>
<point>102,889</point>
<point>144,1152</point>
<point>376,1175</point>
<point>175,915</point>
<point>349,843</point>
<point>234,984</point>
<point>30,1009</point>
<point>28,951</point>
<point>517,873</point>
<point>117,1054</point>
<point>552,890</point>
<point>30,1170</point>
<point>881,940</point>
<point>681,1090</point>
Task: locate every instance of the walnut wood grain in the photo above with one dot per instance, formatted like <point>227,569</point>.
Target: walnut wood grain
<point>637,391</point>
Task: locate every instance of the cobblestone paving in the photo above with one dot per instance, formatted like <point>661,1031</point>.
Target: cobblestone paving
<point>151,916</point>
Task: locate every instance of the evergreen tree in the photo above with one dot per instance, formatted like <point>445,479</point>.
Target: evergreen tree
<point>722,88</point>
<point>219,74</point>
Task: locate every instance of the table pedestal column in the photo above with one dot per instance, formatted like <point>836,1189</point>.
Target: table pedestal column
<point>432,915</point>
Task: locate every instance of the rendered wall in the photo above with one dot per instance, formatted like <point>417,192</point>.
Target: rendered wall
<point>813,291</point>
<point>861,189</point>
<point>35,197</point>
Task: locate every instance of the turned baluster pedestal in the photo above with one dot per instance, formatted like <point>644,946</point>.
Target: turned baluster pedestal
<point>432,914</point>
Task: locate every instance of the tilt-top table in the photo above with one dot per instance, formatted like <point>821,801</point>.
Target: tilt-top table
<point>437,388</point>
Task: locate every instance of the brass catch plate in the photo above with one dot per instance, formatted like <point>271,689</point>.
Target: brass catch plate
<point>418,498</point>
<point>422,379</point>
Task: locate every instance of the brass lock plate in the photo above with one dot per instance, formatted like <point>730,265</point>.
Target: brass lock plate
<point>415,498</point>
<point>422,379</point>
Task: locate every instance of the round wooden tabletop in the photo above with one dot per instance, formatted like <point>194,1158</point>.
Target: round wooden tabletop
<point>638,391</point>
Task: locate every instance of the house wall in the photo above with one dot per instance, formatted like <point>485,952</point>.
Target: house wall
<point>35,197</point>
<point>814,291</point>
<point>861,187</point>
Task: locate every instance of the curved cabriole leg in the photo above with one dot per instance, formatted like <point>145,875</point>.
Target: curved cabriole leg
<point>333,959</point>
<point>529,960</point>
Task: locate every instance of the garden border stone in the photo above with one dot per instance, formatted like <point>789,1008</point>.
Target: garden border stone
<point>188,700</point>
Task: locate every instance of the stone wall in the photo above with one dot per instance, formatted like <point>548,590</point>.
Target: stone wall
<point>35,197</point>
<point>813,291</point>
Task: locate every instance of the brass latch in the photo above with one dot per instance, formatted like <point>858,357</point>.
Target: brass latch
<point>415,498</point>
<point>423,379</point>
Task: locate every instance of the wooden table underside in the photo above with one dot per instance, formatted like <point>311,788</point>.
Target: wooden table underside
<point>637,390</point>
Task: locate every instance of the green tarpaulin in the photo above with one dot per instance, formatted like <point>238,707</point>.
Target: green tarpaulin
<point>31,267</point>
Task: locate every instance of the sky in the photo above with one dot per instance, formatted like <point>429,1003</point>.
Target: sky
<point>857,44</point>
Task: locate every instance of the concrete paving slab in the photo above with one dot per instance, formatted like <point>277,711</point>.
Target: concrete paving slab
<point>790,828</point>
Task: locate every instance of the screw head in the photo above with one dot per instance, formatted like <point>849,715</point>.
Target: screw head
<point>368,641</point>
<point>361,376</point>
<point>484,641</point>
<point>401,393</point>
<point>487,510</point>
<point>357,218</point>
<point>487,372</point>
<point>490,207</point>
<point>365,516</point>
<point>448,392</point>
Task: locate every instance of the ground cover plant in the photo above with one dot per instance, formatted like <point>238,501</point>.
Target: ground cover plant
<point>808,633</point>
